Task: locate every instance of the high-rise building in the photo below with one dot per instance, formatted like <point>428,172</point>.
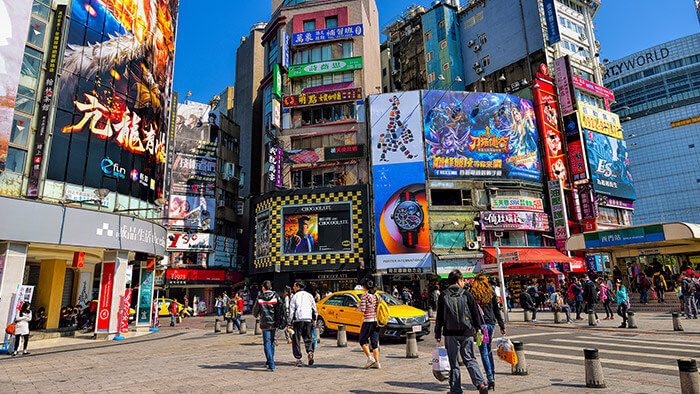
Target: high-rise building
<point>321,60</point>
<point>83,135</point>
<point>658,97</point>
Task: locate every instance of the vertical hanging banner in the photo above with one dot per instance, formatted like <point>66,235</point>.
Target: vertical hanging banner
<point>565,86</point>
<point>558,204</point>
<point>547,114</point>
<point>400,202</point>
<point>105,301</point>
<point>170,153</point>
<point>145,296</point>
<point>126,307</point>
<point>14,24</point>
<point>46,99</point>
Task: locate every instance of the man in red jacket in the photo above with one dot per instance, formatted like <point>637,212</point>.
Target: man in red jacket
<point>173,309</point>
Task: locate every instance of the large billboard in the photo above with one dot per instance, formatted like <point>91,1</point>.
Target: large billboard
<point>193,171</point>
<point>400,203</point>
<point>609,164</point>
<point>317,228</point>
<point>14,25</point>
<point>480,135</point>
<point>114,94</point>
<point>547,112</point>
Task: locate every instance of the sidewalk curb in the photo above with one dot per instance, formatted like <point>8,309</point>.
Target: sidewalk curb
<point>633,330</point>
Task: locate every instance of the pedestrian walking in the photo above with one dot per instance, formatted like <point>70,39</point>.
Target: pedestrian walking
<point>287,298</point>
<point>395,292</point>
<point>644,285</point>
<point>487,299</point>
<point>218,306</point>
<point>576,294</point>
<point>688,290</point>
<point>659,282</point>
<point>527,300</point>
<point>369,332</point>
<point>172,309</point>
<point>24,316</point>
<point>269,308</point>
<point>302,316</point>
<point>606,296</point>
<point>622,299</point>
<point>589,296</point>
<point>235,311</point>
<point>455,304</point>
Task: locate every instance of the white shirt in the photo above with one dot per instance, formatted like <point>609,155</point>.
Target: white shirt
<point>302,307</point>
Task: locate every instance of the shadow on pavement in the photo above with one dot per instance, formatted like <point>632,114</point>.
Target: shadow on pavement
<point>259,366</point>
<point>410,386</point>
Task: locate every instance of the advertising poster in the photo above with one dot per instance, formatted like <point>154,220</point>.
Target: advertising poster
<point>400,203</point>
<point>317,228</point>
<point>610,165</point>
<point>565,86</point>
<point>84,289</point>
<point>480,135</point>
<point>191,212</point>
<point>145,296</point>
<point>105,300</point>
<point>559,216</point>
<point>126,306</point>
<point>499,221</point>
<point>115,88</point>
<point>14,25</point>
<point>547,113</point>
<point>598,120</point>
<point>262,234</point>
<point>193,171</point>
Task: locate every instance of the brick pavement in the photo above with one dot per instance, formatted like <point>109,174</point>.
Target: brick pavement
<point>189,359</point>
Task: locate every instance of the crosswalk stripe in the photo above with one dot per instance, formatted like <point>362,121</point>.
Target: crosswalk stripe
<point>613,352</point>
<point>605,362</point>
<point>537,334</point>
<point>638,340</point>
<point>625,345</point>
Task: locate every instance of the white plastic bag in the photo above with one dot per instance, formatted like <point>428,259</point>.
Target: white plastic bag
<point>506,351</point>
<point>441,364</point>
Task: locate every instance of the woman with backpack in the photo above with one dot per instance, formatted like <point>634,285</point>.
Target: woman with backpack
<point>488,301</point>
<point>369,333</point>
<point>606,296</point>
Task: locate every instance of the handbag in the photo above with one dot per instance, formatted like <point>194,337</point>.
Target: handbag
<point>10,329</point>
<point>441,364</point>
<point>484,331</point>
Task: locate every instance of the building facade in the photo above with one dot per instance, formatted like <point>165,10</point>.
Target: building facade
<point>83,138</point>
<point>658,97</point>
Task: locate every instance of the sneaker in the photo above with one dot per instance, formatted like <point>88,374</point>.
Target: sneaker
<point>370,364</point>
<point>298,363</point>
<point>311,359</point>
<point>270,370</point>
<point>377,366</point>
<point>622,326</point>
<point>25,352</point>
<point>492,385</point>
<point>14,353</point>
<point>534,320</point>
<point>597,320</point>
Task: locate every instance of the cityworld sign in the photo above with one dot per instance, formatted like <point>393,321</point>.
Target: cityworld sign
<point>634,62</point>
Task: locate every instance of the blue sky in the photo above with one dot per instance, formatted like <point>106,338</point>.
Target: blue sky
<point>209,35</point>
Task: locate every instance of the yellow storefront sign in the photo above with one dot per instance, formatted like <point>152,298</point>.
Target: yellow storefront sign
<point>599,120</point>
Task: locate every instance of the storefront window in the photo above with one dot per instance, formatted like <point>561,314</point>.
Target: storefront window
<point>321,115</point>
<point>37,32</point>
<point>320,80</point>
<point>609,216</point>
<point>513,238</point>
<point>336,50</point>
<point>449,239</point>
<point>320,141</point>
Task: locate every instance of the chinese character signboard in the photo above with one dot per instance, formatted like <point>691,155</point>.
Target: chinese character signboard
<point>593,88</point>
<point>517,204</point>
<point>322,97</point>
<point>331,66</point>
<point>599,120</point>
<point>344,152</point>
<point>550,17</point>
<point>327,34</point>
<point>285,50</point>
<point>564,85</point>
<point>500,221</point>
<point>589,209</point>
<point>276,80</point>
<point>480,135</point>
<point>625,236</point>
<point>610,166</point>
<point>559,217</point>
<point>186,241</point>
<point>547,112</point>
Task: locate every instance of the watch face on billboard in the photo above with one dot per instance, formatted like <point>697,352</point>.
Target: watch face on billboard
<point>480,135</point>
<point>317,228</point>
<point>114,94</point>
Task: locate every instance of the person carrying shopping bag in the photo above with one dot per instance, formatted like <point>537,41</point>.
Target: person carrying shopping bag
<point>24,316</point>
<point>488,301</point>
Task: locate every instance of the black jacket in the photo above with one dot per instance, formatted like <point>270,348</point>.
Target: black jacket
<point>492,313</point>
<point>526,301</point>
<point>589,292</point>
<point>475,317</point>
<point>270,309</point>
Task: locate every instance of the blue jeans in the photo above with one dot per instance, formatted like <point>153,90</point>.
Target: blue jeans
<point>487,355</point>
<point>269,346</point>
<point>643,296</point>
<point>172,320</point>
<point>236,323</point>
<point>464,347</point>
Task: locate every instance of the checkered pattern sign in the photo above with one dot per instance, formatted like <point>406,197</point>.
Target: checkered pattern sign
<point>326,261</point>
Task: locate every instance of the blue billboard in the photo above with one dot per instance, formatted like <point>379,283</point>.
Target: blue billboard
<point>609,165</point>
<point>480,135</point>
<point>550,17</point>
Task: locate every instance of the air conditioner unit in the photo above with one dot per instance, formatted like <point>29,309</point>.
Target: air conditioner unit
<point>470,43</point>
<point>479,70</point>
<point>473,245</point>
<point>476,64</point>
<point>477,48</point>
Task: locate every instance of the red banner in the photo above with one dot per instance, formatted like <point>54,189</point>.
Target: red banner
<point>547,114</point>
<point>126,307</point>
<point>103,312</point>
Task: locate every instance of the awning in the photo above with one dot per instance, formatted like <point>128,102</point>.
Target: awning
<point>531,271</point>
<point>533,255</point>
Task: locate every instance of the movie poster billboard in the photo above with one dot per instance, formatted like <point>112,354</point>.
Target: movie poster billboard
<point>262,234</point>
<point>194,167</point>
<point>191,212</point>
<point>547,114</point>
<point>400,203</point>
<point>323,228</point>
<point>113,100</point>
<point>14,26</point>
<point>610,165</point>
<point>480,135</point>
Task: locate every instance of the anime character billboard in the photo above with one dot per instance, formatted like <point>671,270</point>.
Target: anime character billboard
<point>480,135</point>
<point>609,164</point>
<point>114,94</point>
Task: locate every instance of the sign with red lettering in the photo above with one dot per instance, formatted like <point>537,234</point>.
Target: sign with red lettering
<point>200,277</point>
<point>105,301</point>
<point>344,152</point>
<point>126,307</point>
<point>316,98</point>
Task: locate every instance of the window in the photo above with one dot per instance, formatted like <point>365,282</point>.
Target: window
<point>451,197</point>
<point>485,61</point>
<point>298,84</point>
<point>443,44</point>
<point>310,25</point>
<point>441,24</point>
<point>609,216</point>
<point>449,239</point>
<point>267,110</point>
<point>37,32</point>
<point>384,72</point>
<point>513,238</point>
<point>272,49</point>
<point>331,21</point>
<point>446,66</point>
<point>429,56</point>
<point>325,176</point>
<point>474,20</point>
<point>320,141</point>
<point>350,301</point>
<point>15,160</point>
<point>336,50</point>
<point>428,35</point>
<point>326,114</point>
<point>20,130</point>
<point>482,39</point>
<point>389,299</point>
<point>40,10</point>
<point>335,300</point>
<point>431,77</point>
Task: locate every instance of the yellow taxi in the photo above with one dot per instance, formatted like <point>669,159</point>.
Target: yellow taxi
<point>164,308</point>
<point>342,308</point>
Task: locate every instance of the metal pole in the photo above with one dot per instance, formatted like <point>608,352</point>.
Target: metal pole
<point>504,302</point>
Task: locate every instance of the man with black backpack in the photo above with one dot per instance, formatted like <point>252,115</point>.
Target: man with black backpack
<point>688,291</point>
<point>273,315</point>
<point>458,319</point>
<point>590,295</point>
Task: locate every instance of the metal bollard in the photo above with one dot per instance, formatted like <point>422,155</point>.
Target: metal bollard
<point>411,345</point>
<point>258,330</point>
<point>229,326</point>
<point>591,319</point>
<point>521,367</point>
<point>527,315</point>
<point>594,371</point>
<point>342,336</point>
<point>631,321</point>
<point>242,325</point>
<point>217,325</point>
<point>431,313</point>
<point>690,378</point>
<point>557,317</point>
<point>677,326</point>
